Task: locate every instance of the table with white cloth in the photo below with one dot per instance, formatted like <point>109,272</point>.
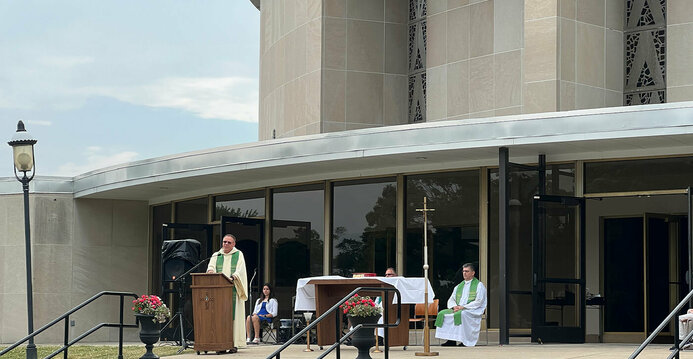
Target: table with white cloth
<point>319,294</point>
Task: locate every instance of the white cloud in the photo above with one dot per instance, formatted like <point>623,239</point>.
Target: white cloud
<point>227,98</point>
<point>95,159</point>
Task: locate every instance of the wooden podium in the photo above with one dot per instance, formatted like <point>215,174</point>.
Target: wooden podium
<point>212,296</point>
<point>330,291</point>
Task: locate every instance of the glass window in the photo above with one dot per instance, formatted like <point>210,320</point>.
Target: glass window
<point>297,239</point>
<point>638,175</point>
<point>560,180</point>
<point>363,226</point>
<point>453,227</point>
<point>192,211</point>
<point>246,204</point>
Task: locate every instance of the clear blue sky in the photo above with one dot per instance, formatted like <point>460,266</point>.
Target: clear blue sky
<point>104,82</point>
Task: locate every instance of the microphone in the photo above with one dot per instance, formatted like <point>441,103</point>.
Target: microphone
<point>253,277</point>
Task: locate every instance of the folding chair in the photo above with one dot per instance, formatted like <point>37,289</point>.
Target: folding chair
<point>267,331</point>
<point>420,316</point>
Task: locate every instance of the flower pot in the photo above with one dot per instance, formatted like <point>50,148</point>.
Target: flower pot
<point>150,330</point>
<point>364,338</point>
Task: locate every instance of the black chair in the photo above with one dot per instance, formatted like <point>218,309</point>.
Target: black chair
<point>268,332</point>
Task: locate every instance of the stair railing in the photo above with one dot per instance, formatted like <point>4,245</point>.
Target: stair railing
<point>66,318</point>
<point>677,345</point>
<point>338,313</point>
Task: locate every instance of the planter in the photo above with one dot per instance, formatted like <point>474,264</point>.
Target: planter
<point>150,330</point>
<point>364,338</point>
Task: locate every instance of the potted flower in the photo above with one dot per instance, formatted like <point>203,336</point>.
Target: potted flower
<point>150,311</point>
<point>362,310</point>
<point>358,306</point>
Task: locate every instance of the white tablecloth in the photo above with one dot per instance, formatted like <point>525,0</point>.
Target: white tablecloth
<point>411,289</point>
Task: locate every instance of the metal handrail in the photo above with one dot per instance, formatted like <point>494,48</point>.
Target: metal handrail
<point>66,318</point>
<point>677,345</point>
<point>335,309</point>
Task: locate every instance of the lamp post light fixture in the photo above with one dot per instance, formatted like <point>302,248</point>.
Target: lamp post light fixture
<point>23,152</point>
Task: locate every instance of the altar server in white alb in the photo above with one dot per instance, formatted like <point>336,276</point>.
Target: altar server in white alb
<point>461,322</point>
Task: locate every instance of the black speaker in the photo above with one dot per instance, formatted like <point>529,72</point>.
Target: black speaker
<point>177,257</point>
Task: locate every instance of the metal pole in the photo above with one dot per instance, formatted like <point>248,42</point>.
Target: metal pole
<point>427,339</point>
<point>31,347</point>
<point>120,329</point>
<point>503,224</point>
<point>690,242</point>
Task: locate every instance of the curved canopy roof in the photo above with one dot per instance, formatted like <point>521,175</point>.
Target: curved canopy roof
<point>665,129</point>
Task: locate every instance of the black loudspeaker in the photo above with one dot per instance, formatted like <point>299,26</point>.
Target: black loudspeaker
<point>177,257</point>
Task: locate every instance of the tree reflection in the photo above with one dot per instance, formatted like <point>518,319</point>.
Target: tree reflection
<point>373,246</point>
<point>453,228</point>
<point>295,251</point>
<point>226,211</point>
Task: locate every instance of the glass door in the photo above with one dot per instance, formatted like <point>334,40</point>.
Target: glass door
<point>558,266</point>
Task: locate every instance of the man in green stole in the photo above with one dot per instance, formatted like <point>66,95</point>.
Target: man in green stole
<point>230,261</point>
<point>461,322</point>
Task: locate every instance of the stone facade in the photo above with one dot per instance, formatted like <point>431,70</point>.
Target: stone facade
<point>332,65</point>
<point>80,248</point>
<point>484,58</point>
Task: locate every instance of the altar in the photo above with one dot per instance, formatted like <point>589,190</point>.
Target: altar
<point>319,294</point>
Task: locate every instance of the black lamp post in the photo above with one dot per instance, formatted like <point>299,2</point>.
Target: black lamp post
<point>23,152</point>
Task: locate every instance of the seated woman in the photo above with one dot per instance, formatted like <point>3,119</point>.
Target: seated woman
<point>265,309</point>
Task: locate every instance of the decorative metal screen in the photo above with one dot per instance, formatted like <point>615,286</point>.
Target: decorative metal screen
<point>417,61</point>
<point>645,52</point>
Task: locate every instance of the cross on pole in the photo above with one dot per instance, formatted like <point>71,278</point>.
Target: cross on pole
<point>427,338</point>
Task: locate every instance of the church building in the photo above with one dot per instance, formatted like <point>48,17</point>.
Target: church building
<point>553,138</point>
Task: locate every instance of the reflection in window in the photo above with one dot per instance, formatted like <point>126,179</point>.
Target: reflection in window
<point>638,175</point>
<point>560,180</point>
<point>363,226</point>
<point>246,205</point>
<point>297,239</point>
<point>192,211</point>
<point>453,227</point>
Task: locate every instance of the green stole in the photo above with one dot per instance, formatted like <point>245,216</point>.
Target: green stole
<point>457,316</point>
<point>220,267</point>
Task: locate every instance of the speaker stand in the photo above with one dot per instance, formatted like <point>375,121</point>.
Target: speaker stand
<point>179,315</point>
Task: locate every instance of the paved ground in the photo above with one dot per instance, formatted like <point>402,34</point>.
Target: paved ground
<point>514,351</point>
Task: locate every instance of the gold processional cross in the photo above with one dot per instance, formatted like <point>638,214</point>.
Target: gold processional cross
<point>427,339</point>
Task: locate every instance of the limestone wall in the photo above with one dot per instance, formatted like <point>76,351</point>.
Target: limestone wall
<point>79,248</point>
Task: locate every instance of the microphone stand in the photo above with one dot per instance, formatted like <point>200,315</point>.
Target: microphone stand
<point>250,293</point>
<point>180,280</point>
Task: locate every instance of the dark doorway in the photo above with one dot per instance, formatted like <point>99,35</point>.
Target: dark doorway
<point>645,264</point>
<point>558,262</point>
<point>249,233</point>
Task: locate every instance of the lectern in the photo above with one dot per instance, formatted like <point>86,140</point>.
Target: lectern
<point>212,296</point>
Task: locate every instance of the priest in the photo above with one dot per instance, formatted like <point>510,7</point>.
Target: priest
<point>230,261</point>
<point>461,322</point>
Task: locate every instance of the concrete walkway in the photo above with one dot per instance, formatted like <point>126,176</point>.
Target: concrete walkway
<point>514,351</point>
